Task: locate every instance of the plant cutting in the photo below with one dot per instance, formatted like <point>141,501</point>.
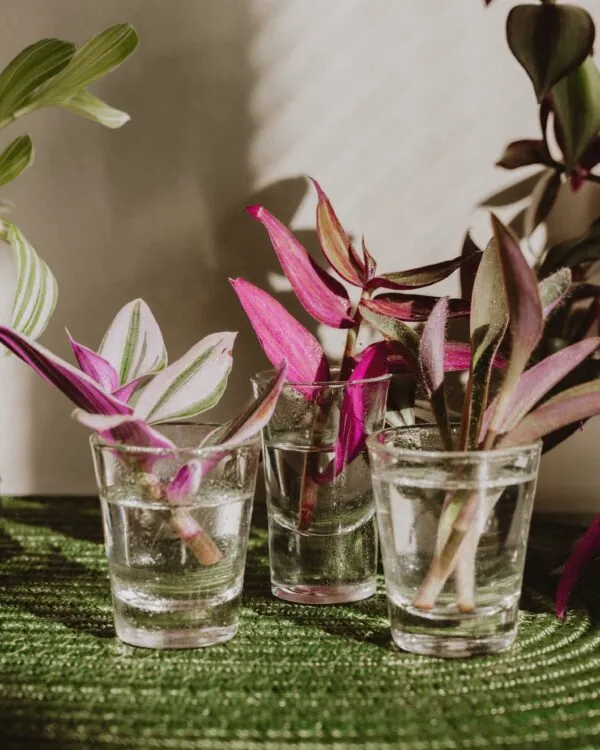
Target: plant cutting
<point>320,500</point>
<point>176,497</point>
<point>51,73</point>
<point>468,490</point>
<point>554,43</point>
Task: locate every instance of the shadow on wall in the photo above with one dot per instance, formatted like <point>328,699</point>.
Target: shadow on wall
<point>155,210</point>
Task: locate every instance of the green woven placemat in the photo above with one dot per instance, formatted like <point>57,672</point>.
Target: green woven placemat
<point>294,677</point>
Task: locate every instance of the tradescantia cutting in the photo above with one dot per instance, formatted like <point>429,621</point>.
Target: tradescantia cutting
<point>388,302</point>
<point>126,389</point>
<point>51,73</point>
<point>509,311</point>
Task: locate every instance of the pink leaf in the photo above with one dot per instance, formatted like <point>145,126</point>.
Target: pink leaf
<point>457,358</point>
<point>281,336</point>
<point>74,384</point>
<point>538,380</point>
<point>336,244</point>
<point>585,551</point>
<point>123,428</point>
<point>353,413</point>
<point>98,368</point>
<point>320,294</point>
<point>412,307</point>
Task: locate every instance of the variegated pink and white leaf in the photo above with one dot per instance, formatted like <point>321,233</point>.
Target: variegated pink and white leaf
<point>134,344</point>
<point>191,385</point>
<point>123,428</point>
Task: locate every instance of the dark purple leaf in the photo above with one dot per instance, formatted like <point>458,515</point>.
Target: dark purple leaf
<point>523,153</point>
<point>415,278</point>
<point>468,269</point>
<point>585,551</point>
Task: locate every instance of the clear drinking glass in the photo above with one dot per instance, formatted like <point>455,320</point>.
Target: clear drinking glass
<point>465,600</point>
<point>322,529</point>
<point>176,560</point>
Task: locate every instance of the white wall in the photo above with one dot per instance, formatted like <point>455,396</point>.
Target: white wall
<point>400,109</point>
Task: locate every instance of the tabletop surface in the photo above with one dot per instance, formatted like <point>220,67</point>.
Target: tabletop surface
<point>294,676</point>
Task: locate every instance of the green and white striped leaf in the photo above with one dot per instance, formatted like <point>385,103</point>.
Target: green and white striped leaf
<point>30,69</point>
<point>134,344</point>
<point>35,296</point>
<point>16,158</point>
<point>87,105</point>
<point>93,60</point>
<point>191,385</point>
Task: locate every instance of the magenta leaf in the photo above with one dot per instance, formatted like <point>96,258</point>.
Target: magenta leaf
<point>84,392</point>
<point>585,551</point>
<point>415,278</point>
<point>353,412</point>
<point>282,336</point>
<point>125,392</point>
<point>536,382</point>
<point>98,368</point>
<point>336,244</point>
<point>457,358</point>
<point>123,428</point>
<point>321,295</point>
<point>431,360</point>
<point>412,307</point>
<point>568,407</point>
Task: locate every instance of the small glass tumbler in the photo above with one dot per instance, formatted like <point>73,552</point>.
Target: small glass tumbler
<point>322,529</point>
<point>176,549</point>
<point>453,528</point>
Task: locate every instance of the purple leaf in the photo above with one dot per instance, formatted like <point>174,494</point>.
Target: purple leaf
<point>535,383</point>
<point>336,244</point>
<point>431,360</point>
<point>457,358</point>
<point>84,392</point>
<point>281,336</point>
<point>125,392</point>
<point>468,270</point>
<point>412,307</point>
<point>526,321</point>
<point>416,278</point>
<point>95,366</point>
<point>321,295</point>
<point>123,428</point>
<point>523,153</point>
<point>585,551</point>
<point>353,412</point>
<point>569,407</point>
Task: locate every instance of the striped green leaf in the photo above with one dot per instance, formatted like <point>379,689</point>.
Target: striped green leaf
<point>15,158</point>
<point>133,344</point>
<point>87,105</point>
<point>93,60</point>
<point>30,69</point>
<point>36,292</point>
<point>191,385</point>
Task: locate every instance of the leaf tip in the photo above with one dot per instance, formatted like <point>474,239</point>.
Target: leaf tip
<point>255,211</point>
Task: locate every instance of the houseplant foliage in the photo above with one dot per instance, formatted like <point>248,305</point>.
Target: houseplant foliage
<point>126,388</point>
<point>51,73</point>
<point>508,310</point>
<point>554,44</point>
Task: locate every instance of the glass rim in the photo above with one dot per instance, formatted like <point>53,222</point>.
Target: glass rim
<point>268,374</point>
<point>96,442</point>
<point>376,445</point>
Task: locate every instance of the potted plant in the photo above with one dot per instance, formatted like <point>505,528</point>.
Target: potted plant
<point>176,496</point>
<point>454,501</point>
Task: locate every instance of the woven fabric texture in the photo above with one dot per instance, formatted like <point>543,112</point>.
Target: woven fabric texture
<point>294,677</point>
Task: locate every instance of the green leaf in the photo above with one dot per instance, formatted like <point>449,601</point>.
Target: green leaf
<point>523,153</point>
<point>431,360</point>
<point>93,60</point>
<point>36,292</point>
<point>394,330</point>
<point>577,105</point>
<point>16,158</point>
<point>543,198</point>
<point>87,105</point>
<point>489,320</point>
<point>31,68</point>
<point>553,290</point>
<point>549,41</point>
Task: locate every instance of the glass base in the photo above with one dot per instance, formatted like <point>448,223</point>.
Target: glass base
<point>453,648</point>
<point>323,594</point>
<point>199,638</point>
